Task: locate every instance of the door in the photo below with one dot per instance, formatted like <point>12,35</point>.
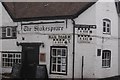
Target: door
<point>30,59</point>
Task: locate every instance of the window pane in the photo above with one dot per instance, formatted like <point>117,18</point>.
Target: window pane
<point>3,35</point>
<point>103,63</point>
<point>108,25</point>
<point>14,34</point>
<point>3,60</point>
<point>54,52</point>
<point>104,29</point>
<point>63,60</point>
<point>54,67</point>
<point>19,61</point>
<point>8,31</point>
<point>59,68</point>
<point>3,30</point>
<point>54,60</point>
<point>104,23</point>
<point>108,30</point>
<point>103,55</point>
<point>4,55</point>
<point>14,31</point>
<point>59,60</point>
<point>63,68</point>
<point>9,55</point>
<point>58,52</point>
<point>109,63</point>
<point>63,52</point>
<point>109,55</point>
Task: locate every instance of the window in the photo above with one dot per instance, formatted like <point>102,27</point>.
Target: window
<point>9,32</point>
<point>106,58</point>
<point>106,26</point>
<point>98,52</point>
<point>8,59</point>
<point>58,60</point>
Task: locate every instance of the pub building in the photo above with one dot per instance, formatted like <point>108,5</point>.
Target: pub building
<point>73,39</point>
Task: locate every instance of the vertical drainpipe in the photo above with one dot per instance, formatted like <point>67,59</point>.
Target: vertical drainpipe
<point>73,49</point>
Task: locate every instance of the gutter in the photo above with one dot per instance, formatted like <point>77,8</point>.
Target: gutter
<point>73,49</point>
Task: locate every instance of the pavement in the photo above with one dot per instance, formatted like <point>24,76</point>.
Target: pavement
<point>8,77</point>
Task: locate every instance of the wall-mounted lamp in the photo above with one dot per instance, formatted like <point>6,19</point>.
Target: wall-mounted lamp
<point>23,38</point>
<point>42,45</point>
<point>17,43</point>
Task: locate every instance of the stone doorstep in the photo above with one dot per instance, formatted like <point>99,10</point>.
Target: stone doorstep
<point>75,79</point>
<point>6,75</point>
<point>8,78</point>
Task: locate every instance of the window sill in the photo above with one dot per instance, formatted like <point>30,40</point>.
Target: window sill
<point>6,67</point>
<point>107,33</point>
<point>59,73</point>
<point>9,38</point>
<point>106,67</point>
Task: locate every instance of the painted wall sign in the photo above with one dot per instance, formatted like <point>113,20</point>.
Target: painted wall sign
<point>85,26</point>
<point>33,28</point>
<point>60,36</point>
<point>60,39</point>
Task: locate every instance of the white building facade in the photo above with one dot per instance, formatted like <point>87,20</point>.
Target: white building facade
<point>52,41</point>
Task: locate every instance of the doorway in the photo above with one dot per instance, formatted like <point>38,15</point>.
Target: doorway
<point>30,59</point>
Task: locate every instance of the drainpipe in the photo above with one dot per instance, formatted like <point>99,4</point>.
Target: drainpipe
<point>73,49</point>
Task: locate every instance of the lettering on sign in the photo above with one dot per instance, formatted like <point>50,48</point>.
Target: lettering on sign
<point>59,36</point>
<point>60,39</point>
<point>57,27</point>
<point>85,33</point>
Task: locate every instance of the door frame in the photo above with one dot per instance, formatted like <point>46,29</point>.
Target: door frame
<point>36,47</point>
<point>29,45</point>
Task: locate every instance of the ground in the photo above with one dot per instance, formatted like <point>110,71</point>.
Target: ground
<point>7,77</point>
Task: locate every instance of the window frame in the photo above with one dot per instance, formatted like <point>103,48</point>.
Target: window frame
<point>13,32</point>
<point>10,58</point>
<point>106,22</point>
<point>106,57</point>
<point>56,72</point>
<point>7,31</point>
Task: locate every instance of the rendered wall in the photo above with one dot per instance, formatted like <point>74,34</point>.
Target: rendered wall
<point>119,46</point>
<point>7,44</point>
<point>110,42</point>
<point>44,38</point>
<point>87,50</point>
<point>0,40</point>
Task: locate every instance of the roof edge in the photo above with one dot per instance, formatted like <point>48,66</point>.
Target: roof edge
<point>48,17</point>
<point>84,9</point>
<point>8,11</point>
